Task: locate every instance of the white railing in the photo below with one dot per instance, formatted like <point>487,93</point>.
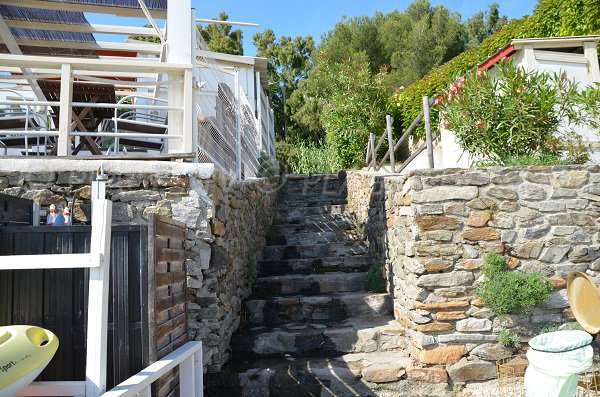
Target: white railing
<point>71,69</point>
<point>189,360</point>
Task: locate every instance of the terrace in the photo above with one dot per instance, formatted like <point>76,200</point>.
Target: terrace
<point>169,98</point>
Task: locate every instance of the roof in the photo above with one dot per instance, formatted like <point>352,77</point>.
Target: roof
<point>37,15</point>
<point>117,7</point>
<point>259,63</point>
<point>544,42</point>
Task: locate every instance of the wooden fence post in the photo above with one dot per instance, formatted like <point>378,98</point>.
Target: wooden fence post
<point>66,96</point>
<point>373,153</point>
<point>389,120</point>
<point>428,131</point>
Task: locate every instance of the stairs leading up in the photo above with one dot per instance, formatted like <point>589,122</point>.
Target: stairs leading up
<point>312,328</point>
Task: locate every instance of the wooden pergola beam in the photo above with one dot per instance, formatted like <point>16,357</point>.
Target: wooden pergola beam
<point>95,8</point>
<point>82,28</point>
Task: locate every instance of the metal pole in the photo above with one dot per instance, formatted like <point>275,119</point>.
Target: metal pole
<point>238,128</point>
<point>428,131</point>
<point>389,120</point>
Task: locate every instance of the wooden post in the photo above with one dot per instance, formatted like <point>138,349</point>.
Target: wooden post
<point>368,149</point>
<point>187,383</point>
<point>97,327</point>
<point>591,53</point>
<point>389,120</point>
<point>428,131</point>
<point>199,372</point>
<point>373,161</point>
<point>66,96</point>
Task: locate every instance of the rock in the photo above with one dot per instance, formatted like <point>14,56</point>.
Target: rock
<point>82,212</point>
<point>480,203</point>
<point>442,305</point>
<point>491,352</point>
<point>558,300</point>
<point>218,228</point>
<point>530,250</point>
<point>572,179</point>
<point>480,313</point>
<point>44,197</point>
<point>552,206</point>
<point>445,279</point>
<point>468,371</point>
<point>160,211</point>
<point>529,191</point>
<point>85,192</point>
<point>435,248</point>
<point>536,232</point>
<point>502,221</point>
<point>502,193</point>
<point>443,355</point>
<point>122,212</point>
<point>470,264</point>
<point>568,314</point>
<point>435,327</point>
<point>125,182</point>
<point>564,230</point>
<point>434,222</point>
<point>538,178</point>
<point>75,178</point>
<point>450,315</point>
<point>427,375</point>
<point>137,195</point>
<point>509,177</point>
<point>554,254</point>
<point>470,251</point>
<point>383,373</point>
<point>571,219</point>
<point>466,338</point>
<point>443,193</point>
<point>481,234</point>
<point>479,218</point>
<point>474,325</point>
<point>4,184</point>
<point>437,265</point>
<point>469,178</point>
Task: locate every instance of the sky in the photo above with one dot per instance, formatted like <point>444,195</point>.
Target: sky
<point>314,17</point>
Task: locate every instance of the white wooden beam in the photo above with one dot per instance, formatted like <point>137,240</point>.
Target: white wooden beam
<point>97,8</point>
<point>10,42</point>
<point>81,28</point>
<point>145,48</point>
<point>97,326</point>
<point>87,64</point>
<point>66,96</point>
<point>232,23</point>
<point>590,51</point>
<point>57,261</point>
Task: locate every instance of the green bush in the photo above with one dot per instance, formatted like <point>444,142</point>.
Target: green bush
<point>512,112</point>
<point>307,159</point>
<point>508,338</point>
<point>510,292</point>
<point>550,18</point>
<point>375,280</point>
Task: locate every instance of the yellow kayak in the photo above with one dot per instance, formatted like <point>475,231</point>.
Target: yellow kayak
<point>24,353</point>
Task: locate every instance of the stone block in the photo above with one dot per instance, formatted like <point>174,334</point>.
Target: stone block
<point>481,234</point>
<point>491,352</point>
<point>444,193</point>
<point>480,203</point>
<point>443,355</point>
<point>474,325</point>
<point>383,373</point>
<point>479,218</point>
<point>530,250</point>
<point>427,375</point>
<point>508,178</point>
<point>471,371</point>
<point>435,327</point>
<point>572,179</point>
<point>445,279</point>
<point>435,222</point>
<point>502,193</point>
<point>442,305</point>
<point>437,265</point>
<point>137,195</point>
<point>450,315</point>
<point>558,300</point>
<point>530,191</point>
<point>466,338</point>
<point>554,254</point>
<point>558,283</point>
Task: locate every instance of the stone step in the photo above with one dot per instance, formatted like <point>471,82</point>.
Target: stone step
<point>299,201</point>
<point>315,227</point>
<point>316,309</point>
<point>349,375</point>
<point>322,219</point>
<point>355,263</point>
<point>312,284</point>
<point>355,335</point>
<point>282,252</point>
<point>312,238</point>
<point>289,215</point>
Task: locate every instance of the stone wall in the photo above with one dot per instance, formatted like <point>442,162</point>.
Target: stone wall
<point>432,228</point>
<point>227,223</point>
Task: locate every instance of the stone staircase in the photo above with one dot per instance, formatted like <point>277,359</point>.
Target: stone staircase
<point>312,328</point>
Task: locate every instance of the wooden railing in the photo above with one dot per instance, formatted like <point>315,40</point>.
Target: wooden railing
<point>373,149</point>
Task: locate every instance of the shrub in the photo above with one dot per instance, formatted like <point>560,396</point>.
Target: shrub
<point>510,292</point>
<point>512,112</point>
<point>550,18</point>
<point>508,338</point>
<point>375,280</point>
<point>315,160</point>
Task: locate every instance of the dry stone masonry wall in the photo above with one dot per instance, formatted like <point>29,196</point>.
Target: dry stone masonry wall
<point>227,223</point>
<point>431,230</point>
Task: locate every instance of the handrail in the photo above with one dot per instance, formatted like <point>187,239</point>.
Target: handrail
<point>188,357</point>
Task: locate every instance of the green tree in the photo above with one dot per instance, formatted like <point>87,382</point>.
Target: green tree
<point>482,25</point>
<point>222,38</point>
<point>290,60</point>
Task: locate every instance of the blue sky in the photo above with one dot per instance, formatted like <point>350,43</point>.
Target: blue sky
<point>315,17</point>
